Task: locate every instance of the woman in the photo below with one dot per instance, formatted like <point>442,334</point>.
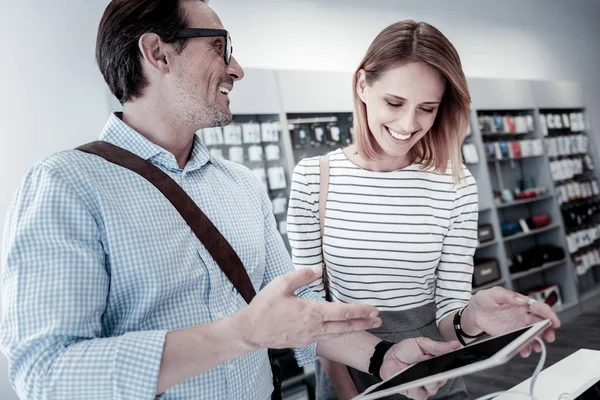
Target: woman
<point>400,226</point>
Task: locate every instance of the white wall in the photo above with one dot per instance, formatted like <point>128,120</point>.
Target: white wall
<point>53,97</point>
<point>515,39</point>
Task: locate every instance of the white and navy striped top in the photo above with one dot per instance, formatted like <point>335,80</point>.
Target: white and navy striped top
<point>396,240</point>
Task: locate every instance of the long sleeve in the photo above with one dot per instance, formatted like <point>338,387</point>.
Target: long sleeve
<point>455,270</point>
<point>277,262</point>
<point>54,292</point>
<point>304,230</point>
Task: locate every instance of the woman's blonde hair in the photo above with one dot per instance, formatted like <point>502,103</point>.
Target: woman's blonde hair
<point>402,43</point>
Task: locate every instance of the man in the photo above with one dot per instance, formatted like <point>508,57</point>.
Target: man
<point>108,293</point>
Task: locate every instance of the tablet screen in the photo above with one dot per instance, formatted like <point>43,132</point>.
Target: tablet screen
<point>593,393</point>
<point>456,359</point>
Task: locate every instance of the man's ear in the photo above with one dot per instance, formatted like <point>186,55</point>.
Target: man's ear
<point>154,51</point>
<point>361,85</point>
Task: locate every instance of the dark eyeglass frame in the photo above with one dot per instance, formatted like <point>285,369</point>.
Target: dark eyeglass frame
<point>187,33</point>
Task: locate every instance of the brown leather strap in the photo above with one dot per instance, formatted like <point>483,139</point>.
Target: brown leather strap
<point>208,234</point>
<point>323,191</point>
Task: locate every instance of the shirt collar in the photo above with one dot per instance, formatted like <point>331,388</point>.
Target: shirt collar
<point>120,134</point>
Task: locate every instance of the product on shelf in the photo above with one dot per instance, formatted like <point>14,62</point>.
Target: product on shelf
<point>525,225</point>
<point>485,233</point>
<point>232,135</point>
<point>577,216</point>
<point>574,122</point>
<point>566,169</point>
<point>560,146</point>
<point>469,152</point>
<point>508,196</point>
<point>515,149</point>
<point>236,154</point>
<point>577,190</point>
<point>584,262</point>
<point>505,124</point>
<point>583,238</point>
<point>536,257</point>
<point>549,294</point>
<point>485,271</point>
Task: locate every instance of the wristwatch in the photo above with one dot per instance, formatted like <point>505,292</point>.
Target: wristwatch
<point>377,358</point>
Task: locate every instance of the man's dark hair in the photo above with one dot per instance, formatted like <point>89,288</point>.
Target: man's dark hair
<point>123,23</point>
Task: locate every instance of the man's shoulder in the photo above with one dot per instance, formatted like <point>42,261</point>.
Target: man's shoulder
<point>65,163</point>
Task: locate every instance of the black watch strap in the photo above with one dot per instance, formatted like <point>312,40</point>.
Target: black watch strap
<point>377,358</point>
<point>460,334</point>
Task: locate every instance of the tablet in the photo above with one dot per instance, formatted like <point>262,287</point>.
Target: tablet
<point>475,357</point>
<point>589,391</point>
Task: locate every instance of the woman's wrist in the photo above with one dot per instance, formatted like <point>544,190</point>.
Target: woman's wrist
<point>468,321</point>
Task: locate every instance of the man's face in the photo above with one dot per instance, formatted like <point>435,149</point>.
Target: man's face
<point>201,79</point>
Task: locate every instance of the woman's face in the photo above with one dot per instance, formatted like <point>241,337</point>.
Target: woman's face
<point>401,106</point>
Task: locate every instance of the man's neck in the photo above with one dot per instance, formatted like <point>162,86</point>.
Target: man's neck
<point>160,129</point>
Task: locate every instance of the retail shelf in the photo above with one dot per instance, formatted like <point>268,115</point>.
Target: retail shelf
<point>563,132</point>
<point>565,307</point>
<point>486,244</point>
<point>571,156</point>
<point>499,282</point>
<point>582,176</point>
<point>488,135</point>
<point>577,202</point>
<point>590,294</point>
<point>541,268</point>
<point>533,232</point>
<point>526,201</point>
<point>514,159</point>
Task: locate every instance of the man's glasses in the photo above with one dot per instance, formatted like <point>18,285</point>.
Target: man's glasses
<point>201,32</point>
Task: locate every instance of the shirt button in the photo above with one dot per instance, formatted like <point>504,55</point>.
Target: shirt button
<point>232,367</point>
<point>220,315</point>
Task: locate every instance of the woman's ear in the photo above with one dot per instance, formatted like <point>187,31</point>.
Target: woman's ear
<point>361,85</point>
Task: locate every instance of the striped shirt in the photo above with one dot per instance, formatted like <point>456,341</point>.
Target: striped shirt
<point>395,240</point>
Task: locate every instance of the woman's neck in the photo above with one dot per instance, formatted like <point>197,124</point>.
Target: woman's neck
<point>383,164</point>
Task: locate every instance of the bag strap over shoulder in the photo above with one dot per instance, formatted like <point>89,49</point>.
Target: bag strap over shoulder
<point>323,192</point>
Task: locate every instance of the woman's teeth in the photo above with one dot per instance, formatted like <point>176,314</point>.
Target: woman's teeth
<point>398,135</point>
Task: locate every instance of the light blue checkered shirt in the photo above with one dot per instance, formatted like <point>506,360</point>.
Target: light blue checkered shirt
<point>99,266</point>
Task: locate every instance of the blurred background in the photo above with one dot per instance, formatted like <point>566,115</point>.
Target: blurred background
<point>533,72</point>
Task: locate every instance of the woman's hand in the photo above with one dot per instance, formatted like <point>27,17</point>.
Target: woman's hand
<point>498,310</point>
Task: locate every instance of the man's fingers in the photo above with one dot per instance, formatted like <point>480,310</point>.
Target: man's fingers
<point>352,325</point>
<point>436,348</point>
<point>343,312</point>
<point>302,277</point>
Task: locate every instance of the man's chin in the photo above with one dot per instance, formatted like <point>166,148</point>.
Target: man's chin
<point>220,118</point>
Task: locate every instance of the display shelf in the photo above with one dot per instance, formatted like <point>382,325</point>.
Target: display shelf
<point>531,233</point>
<point>591,293</point>
<point>508,135</point>
<point>547,266</point>
<point>566,307</point>
<point>498,282</point>
<point>526,201</point>
<point>486,244</point>
<point>502,160</point>
<point>577,202</point>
